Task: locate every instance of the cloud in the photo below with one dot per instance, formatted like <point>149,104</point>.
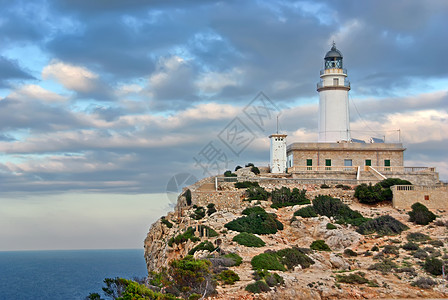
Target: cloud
<point>36,92</point>
<point>78,79</point>
<point>10,70</point>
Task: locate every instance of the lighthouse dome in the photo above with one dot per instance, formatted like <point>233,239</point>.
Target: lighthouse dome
<point>333,53</point>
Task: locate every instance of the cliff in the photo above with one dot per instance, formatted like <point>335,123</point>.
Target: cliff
<point>325,278</point>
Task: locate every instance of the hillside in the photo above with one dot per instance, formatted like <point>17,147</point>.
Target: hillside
<point>356,267</point>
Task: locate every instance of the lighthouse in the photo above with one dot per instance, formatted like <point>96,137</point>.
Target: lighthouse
<point>333,118</point>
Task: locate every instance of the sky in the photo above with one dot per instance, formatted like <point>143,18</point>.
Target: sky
<point>115,103</point>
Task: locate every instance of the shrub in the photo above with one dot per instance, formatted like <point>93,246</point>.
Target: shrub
<point>410,246</point>
<point>387,183</point>
<point>198,214</point>
<point>229,173</point>
<point>285,197</point>
<point>235,257</point>
<point>211,208</point>
<point>252,210</point>
<point>369,194</point>
<point>436,243</point>
<point>420,254</point>
<point>324,186</point>
<point>344,187</point>
<point>424,283</point>
<point>258,287</point>
<point>274,279</point>
<point>350,252</point>
<point>228,277</point>
<point>375,248</point>
<point>259,223</point>
<point>420,214</point>
<point>245,184</point>
<point>237,168</point>
<point>390,249</point>
<point>188,197</point>
<point>166,222</point>
<point>306,212</point>
<point>383,225</point>
<point>256,193</point>
<point>249,165</point>
<point>181,238</point>
<point>277,260</point>
<point>417,237</point>
<point>331,207</point>
<point>433,266</point>
<point>331,226</point>
<point>249,240</point>
<point>209,232</point>
<point>320,245</point>
<point>384,266</point>
<point>202,246</point>
<point>255,170</point>
<point>357,278</point>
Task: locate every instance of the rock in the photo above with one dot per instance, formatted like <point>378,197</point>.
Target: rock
<point>201,254</point>
<point>339,239</point>
<point>339,262</point>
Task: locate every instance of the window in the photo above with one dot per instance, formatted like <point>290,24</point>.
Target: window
<point>427,197</point>
<point>387,165</point>
<point>348,163</point>
<point>309,164</point>
<point>368,162</point>
<point>335,81</point>
<point>328,164</point>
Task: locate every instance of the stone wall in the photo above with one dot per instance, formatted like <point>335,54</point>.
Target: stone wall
<point>221,199</point>
<point>431,197</point>
<point>416,178</point>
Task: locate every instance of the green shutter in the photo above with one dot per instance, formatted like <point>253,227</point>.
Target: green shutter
<point>328,162</point>
<point>387,162</point>
<point>368,162</point>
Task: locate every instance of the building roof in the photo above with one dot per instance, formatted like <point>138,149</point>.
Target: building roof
<point>334,52</point>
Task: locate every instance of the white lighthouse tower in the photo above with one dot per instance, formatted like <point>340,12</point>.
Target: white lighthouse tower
<point>278,153</point>
<point>333,90</point>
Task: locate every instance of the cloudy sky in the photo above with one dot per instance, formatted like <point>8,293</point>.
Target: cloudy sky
<point>105,101</point>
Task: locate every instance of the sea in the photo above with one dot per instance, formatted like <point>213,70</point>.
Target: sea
<point>65,274</point>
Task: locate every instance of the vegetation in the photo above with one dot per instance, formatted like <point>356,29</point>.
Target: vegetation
<point>277,260</point>
<point>249,240</point>
<point>228,277</point>
<point>344,187</point>
<point>379,192</point>
<point>181,238</point>
<point>258,287</point>
<point>433,266</point>
<point>285,197</point>
<point>249,165</point>
<point>350,252</point>
<point>420,214</point>
<point>229,173</point>
<point>255,170</point>
<point>245,184</point>
<point>320,245</point>
<point>390,249</point>
<point>410,246</point>
<point>206,245</point>
<point>252,210</point>
<point>383,225</point>
<point>420,254</point>
<point>387,183</point>
<point>235,257</point>
<point>187,195</point>
<point>417,237</point>
<point>331,207</point>
<point>166,222</point>
<point>357,278</point>
<point>306,212</point>
<point>424,283</point>
<point>199,213</point>
<point>271,279</point>
<point>237,168</point>
<point>385,266</point>
<point>256,193</point>
<point>324,186</point>
<point>436,243</point>
<point>257,222</point>
<point>211,209</point>
<point>331,226</point>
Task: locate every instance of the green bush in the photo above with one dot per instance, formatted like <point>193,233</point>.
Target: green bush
<point>420,254</point>
<point>350,252</point>
<point>387,183</point>
<point>188,197</point>
<point>249,240</point>
<point>417,237</point>
<point>344,187</point>
<point>277,260</point>
<point>306,212</point>
<point>166,222</point>
<point>235,257</point>
<point>357,278</point>
<point>258,223</point>
<point>369,194</point>
<point>424,283</point>
<point>420,214</point>
<point>208,231</point>
<point>198,214</point>
<point>385,266</point>
<point>410,246</point>
<point>258,287</point>
<point>383,225</point>
<point>255,170</point>
<point>433,266</point>
<point>324,186</point>
<point>256,193</point>
<point>245,184</point>
<point>436,243</point>
<point>229,173</point>
<point>252,210</point>
<point>331,207</point>
<point>375,248</point>
<point>237,168</point>
<point>285,197</point>
<point>390,249</point>
<point>331,226</point>
<point>249,165</point>
<point>181,238</point>
<point>320,245</point>
<point>211,208</point>
<point>228,277</point>
<point>206,245</point>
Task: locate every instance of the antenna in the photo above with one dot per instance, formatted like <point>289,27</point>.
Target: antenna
<point>277,124</point>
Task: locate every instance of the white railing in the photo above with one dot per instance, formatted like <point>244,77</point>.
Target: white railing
<point>401,169</point>
<point>376,172</point>
<point>322,169</point>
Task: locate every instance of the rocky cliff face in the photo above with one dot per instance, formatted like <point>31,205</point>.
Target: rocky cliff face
<point>320,280</point>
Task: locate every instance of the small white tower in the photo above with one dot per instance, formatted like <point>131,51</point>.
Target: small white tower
<point>278,153</point>
<point>334,120</point>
